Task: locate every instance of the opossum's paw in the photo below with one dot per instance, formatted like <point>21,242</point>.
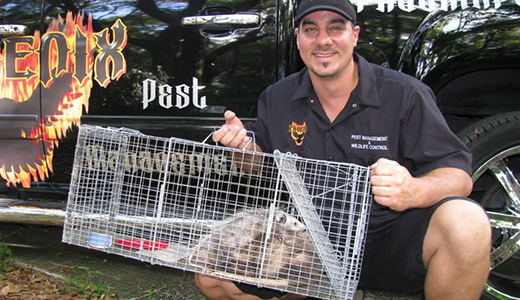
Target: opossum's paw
<point>199,260</point>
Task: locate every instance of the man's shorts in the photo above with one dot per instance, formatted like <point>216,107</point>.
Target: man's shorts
<point>393,261</point>
<point>262,293</point>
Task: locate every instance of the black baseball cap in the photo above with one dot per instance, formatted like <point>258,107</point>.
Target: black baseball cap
<point>342,7</point>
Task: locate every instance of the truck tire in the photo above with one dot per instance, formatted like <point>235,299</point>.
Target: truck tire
<point>495,144</point>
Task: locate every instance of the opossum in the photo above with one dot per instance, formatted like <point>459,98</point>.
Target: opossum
<point>242,245</point>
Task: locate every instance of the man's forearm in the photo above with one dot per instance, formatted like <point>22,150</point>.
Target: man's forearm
<point>439,184</point>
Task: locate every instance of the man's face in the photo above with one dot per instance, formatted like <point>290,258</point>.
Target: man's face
<point>326,41</point>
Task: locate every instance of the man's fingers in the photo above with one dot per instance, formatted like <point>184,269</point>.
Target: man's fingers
<point>384,191</point>
<point>234,137</point>
<point>384,170</point>
<point>383,200</point>
<point>378,180</point>
<point>232,120</point>
<point>229,116</point>
<point>393,178</point>
<point>247,144</point>
<point>384,163</point>
<point>217,135</point>
<point>232,133</point>
<point>384,167</point>
<point>390,184</point>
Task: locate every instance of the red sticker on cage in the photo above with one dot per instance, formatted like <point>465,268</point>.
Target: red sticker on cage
<point>136,244</point>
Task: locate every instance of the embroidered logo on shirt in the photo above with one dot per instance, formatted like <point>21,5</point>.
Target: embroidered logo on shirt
<point>366,142</point>
<point>298,132</point>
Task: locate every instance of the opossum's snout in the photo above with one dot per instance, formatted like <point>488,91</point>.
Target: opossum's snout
<point>290,222</point>
<point>281,218</point>
<point>298,227</point>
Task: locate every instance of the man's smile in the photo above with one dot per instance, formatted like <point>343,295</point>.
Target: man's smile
<point>324,54</point>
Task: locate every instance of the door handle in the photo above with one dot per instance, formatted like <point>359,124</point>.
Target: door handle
<point>223,21</point>
<point>12,29</point>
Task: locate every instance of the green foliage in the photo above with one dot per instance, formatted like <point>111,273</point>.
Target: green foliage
<point>5,255</point>
<point>83,285</point>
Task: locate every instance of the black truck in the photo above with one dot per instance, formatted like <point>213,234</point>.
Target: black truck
<point>172,67</point>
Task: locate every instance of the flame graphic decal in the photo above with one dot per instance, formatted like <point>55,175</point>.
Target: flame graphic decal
<point>60,67</point>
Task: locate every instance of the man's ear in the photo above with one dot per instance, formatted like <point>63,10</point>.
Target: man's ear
<point>355,32</point>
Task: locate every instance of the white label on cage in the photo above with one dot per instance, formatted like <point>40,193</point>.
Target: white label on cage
<point>98,157</point>
<point>98,240</point>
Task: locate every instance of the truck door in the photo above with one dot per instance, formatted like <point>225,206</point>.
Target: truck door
<point>23,155</point>
<point>167,68</point>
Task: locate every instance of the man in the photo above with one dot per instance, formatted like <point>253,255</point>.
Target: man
<point>423,233</point>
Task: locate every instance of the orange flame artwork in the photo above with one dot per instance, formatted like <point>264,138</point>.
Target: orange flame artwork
<point>60,67</point>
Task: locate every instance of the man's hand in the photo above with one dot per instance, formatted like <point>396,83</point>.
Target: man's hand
<point>392,184</point>
<point>233,133</point>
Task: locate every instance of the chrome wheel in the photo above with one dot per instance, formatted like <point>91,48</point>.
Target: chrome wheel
<point>495,145</point>
<point>498,190</point>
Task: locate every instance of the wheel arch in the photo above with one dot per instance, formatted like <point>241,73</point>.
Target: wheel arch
<point>481,93</point>
<point>500,131</point>
<point>451,49</point>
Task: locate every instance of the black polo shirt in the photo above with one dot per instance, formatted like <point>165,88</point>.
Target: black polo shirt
<point>389,114</point>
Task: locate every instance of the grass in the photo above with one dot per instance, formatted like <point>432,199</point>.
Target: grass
<point>22,282</point>
<point>5,255</point>
<point>83,285</point>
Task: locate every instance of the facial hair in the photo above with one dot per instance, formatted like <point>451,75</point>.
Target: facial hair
<point>326,71</point>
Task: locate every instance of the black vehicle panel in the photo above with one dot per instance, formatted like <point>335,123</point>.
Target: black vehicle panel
<point>134,64</point>
<point>141,64</point>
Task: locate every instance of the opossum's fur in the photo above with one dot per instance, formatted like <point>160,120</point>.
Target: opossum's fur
<point>239,244</point>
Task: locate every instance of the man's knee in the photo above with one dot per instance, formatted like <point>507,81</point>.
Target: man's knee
<point>460,225</point>
<point>220,289</point>
<point>204,282</point>
<point>211,286</point>
<point>462,220</point>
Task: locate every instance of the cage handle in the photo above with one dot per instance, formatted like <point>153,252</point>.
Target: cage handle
<point>125,129</point>
<point>250,134</point>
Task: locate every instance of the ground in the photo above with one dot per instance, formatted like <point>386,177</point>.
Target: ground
<point>25,283</point>
<point>50,264</point>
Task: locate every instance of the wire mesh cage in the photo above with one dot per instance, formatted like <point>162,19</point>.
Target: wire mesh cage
<point>271,220</point>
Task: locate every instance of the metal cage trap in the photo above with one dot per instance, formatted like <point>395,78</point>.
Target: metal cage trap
<point>272,220</point>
